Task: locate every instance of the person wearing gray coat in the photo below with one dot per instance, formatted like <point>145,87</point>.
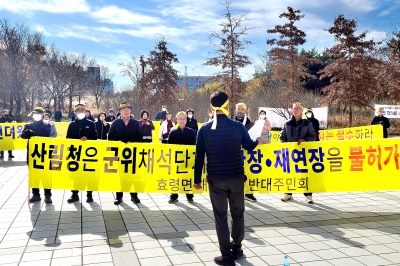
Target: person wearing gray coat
<point>298,130</point>
<point>46,120</point>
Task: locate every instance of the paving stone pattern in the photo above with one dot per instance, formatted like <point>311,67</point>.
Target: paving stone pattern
<point>343,229</point>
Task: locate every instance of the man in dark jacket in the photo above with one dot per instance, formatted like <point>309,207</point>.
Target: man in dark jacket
<point>57,116</point>
<point>161,116</point>
<point>146,126</point>
<point>111,117</point>
<point>102,127</point>
<point>381,120</point>
<point>221,141</point>
<point>314,121</point>
<point>40,129</point>
<point>47,111</point>
<point>72,115</point>
<point>127,130</point>
<point>191,121</point>
<point>82,129</point>
<point>298,130</point>
<point>183,135</point>
<point>241,117</point>
<point>6,118</point>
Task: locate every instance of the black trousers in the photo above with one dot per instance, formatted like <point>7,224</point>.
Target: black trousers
<point>2,152</point>
<point>121,194</point>
<point>222,192</point>
<point>147,140</point>
<point>76,192</point>
<point>36,192</point>
<point>305,194</point>
<point>175,196</point>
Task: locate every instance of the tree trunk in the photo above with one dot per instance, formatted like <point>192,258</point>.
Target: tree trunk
<point>11,103</point>
<point>350,116</point>
<point>70,100</point>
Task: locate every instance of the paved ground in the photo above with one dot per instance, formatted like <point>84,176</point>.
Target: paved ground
<point>341,229</point>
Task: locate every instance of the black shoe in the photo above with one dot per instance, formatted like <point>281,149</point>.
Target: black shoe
<point>250,197</point>
<point>73,198</point>
<point>35,199</point>
<point>190,201</point>
<point>47,199</point>
<point>117,201</point>
<point>226,261</point>
<point>10,156</point>
<point>89,199</point>
<point>237,253</point>
<point>1,156</point>
<point>172,201</point>
<point>135,199</point>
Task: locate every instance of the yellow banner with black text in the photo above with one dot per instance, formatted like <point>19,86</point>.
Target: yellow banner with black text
<point>10,134</point>
<point>332,166</point>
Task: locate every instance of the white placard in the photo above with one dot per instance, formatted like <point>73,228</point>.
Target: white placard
<point>389,111</point>
<point>277,120</point>
<point>256,130</point>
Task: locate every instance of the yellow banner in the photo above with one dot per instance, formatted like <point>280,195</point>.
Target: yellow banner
<point>332,166</point>
<point>10,134</point>
<point>352,133</point>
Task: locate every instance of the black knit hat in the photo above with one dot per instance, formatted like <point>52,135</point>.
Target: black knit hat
<point>144,111</point>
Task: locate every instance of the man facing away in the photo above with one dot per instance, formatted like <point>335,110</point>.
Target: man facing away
<point>298,130</point>
<point>221,141</point>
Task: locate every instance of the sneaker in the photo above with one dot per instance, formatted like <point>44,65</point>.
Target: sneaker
<point>47,199</point>
<point>286,198</point>
<point>35,199</point>
<point>73,198</point>
<point>237,253</point>
<point>226,261</point>
<point>89,198</point>
<point>117,201</point>
<point>191,201</point>
<point>172,201</point>
<point>309,200</point>
<point>135,200</point>
<point>250,197</point>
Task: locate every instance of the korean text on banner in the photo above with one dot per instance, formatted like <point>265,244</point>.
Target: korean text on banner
<point>332,166</point>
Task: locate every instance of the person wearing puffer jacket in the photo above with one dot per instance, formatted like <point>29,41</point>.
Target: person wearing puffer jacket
<point>46,120</point>
<point>146,126</point>
<point>102,127</point>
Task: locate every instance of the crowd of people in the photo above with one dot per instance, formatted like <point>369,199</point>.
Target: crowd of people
<point>220,139</point>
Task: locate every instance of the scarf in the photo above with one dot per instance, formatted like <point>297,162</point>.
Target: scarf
<point>169,125</point>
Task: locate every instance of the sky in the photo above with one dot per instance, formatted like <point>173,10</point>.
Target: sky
<point>113,30</point>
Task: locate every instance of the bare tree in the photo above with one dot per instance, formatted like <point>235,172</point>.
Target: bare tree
<point>21,53</point>
<point>229,43</point>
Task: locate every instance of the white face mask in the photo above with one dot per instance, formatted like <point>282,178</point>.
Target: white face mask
<point>190,116</point>
<point>81,116</point>
<point>380,113</point>
<point>37,117</point>
<point>46,121</point>
<point>309,115</point>
<point>262,116</point>
<point>164,109</point>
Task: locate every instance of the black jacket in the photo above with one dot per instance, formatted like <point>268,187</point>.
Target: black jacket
<point>110,118</point>
<point>315,124</point>
<point>82,128</point>
<point>38,128</point>
<point>58,115</point>
<point>294,131</point>
<point>222,147</point>
<point>192,123</point>
<point>381,120</point>
<point>90,118</point>
<point>7,119</point>
<point>161,116</point>
<point>125,133</point>
<point>187,136</point>
<point>248,125</point>
<point>102,130</point>
<point>147,129</point>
